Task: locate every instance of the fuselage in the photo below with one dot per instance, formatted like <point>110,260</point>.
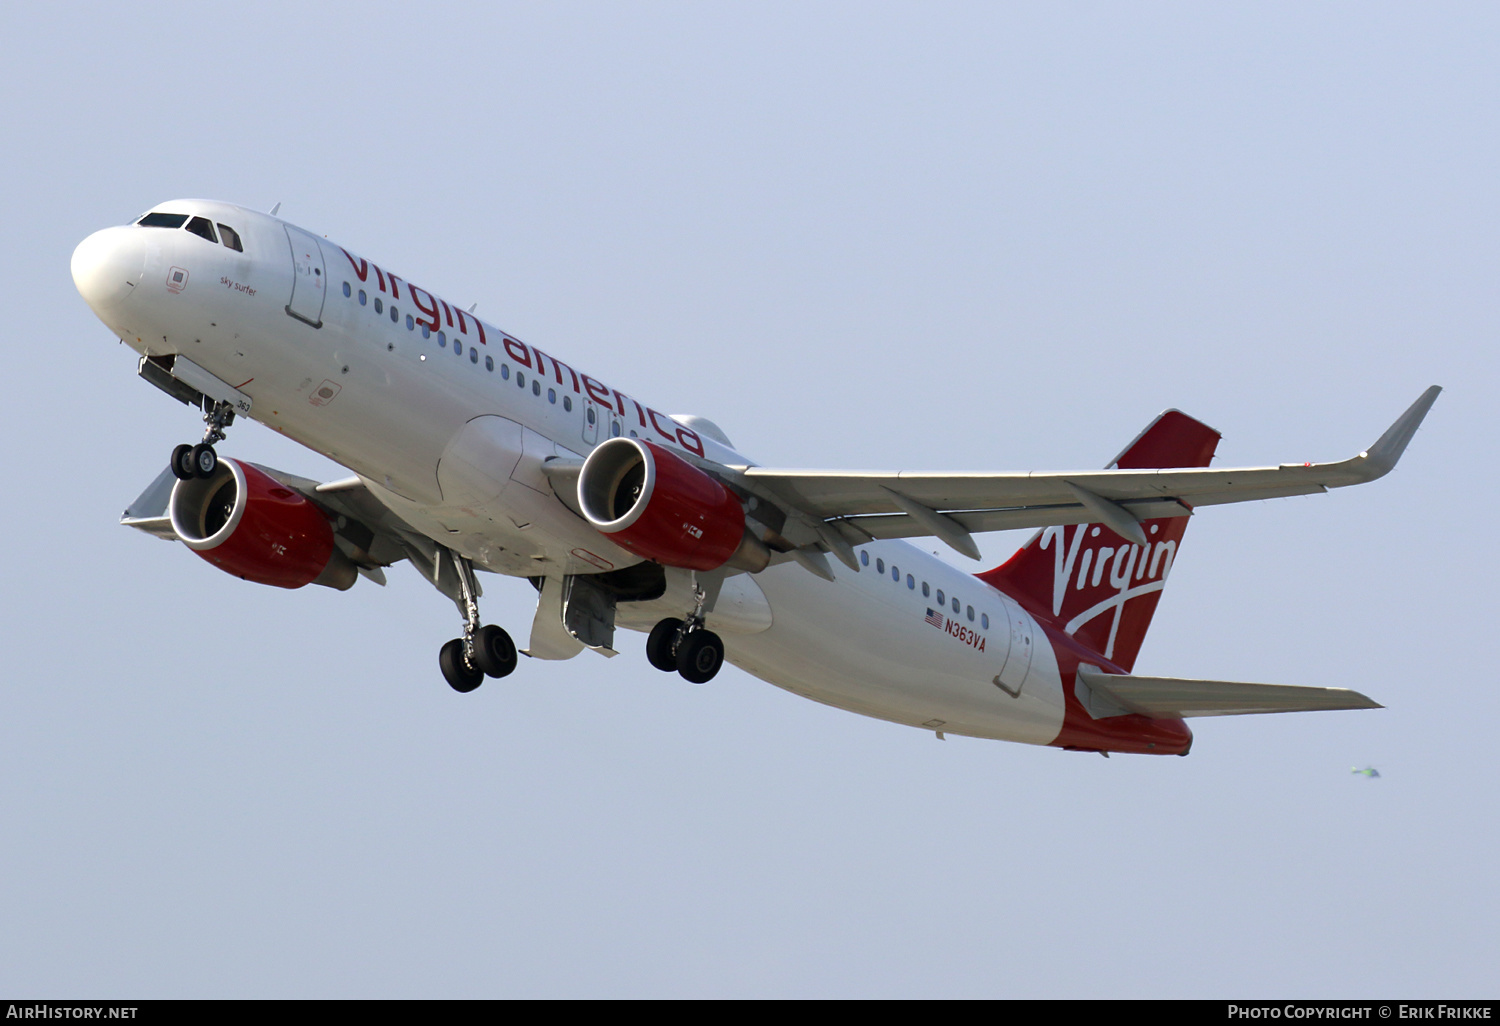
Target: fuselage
<point>448,419</point>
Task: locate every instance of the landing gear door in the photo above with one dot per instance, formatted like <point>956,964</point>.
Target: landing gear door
<point>589,614</point>
<point>308,277</point>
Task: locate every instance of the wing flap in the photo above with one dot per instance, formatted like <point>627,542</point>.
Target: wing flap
<point>979,521</point>
<point>1167,697</point>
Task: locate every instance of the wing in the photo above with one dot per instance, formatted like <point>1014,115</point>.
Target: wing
<point>365,530</point>
<point>861,506</point>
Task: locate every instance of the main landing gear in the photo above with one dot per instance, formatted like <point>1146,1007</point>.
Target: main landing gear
<point>686,646</point>
<point>483,651</point>
<point>190,461</point>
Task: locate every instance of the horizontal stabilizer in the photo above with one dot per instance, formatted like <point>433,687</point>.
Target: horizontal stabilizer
<point>1167,697</point>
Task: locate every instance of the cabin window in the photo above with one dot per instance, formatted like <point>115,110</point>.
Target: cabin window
<point>895,573</point>
<point>940,596</point>
<point>232,240</point>
<point>346,290</point>
<point>411,325</point>
<point>203,228</point>
<point>911,583</point>
<point>984,620</point>
<point>379,305</point>
<point>159,220</point>
<point>458,348</point>
<point>473,355</point>
<point>971,614</point>
<point>426,331</point>
<point>520,379</point>
<point>489,363</point>
<point>536,387</point>
<point>442,340</point>
<point>864,559</point>
<point>568,403</point>
<point>614,429</point>
<point>880,566</point>
<point>552,396</point>
<point>362,297</point>
<point>926,591</point>
<point>394,315</point>
<point>592,415</point>
<point>955,603</point>
<point>505,372</point>
<point>633,434</point>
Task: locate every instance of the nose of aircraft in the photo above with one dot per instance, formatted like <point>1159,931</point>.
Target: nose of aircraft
<point>107,267</point>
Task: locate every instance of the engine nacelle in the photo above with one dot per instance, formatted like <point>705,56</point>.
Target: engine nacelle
<point>247,523</point>
<point>656,504</point>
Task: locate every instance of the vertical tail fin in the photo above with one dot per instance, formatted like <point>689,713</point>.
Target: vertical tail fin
<point>1090,582</point>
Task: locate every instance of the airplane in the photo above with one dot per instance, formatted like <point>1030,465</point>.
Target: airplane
<point>471,450</point>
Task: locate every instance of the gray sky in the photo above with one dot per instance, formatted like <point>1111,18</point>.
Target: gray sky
<point>885,236</point>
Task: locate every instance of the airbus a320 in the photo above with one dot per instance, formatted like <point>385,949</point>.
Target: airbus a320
<point>470,450</point>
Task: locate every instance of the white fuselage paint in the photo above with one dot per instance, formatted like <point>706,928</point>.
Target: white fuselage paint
<point>456,451</point>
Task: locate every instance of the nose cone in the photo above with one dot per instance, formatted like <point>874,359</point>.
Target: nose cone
<point>107,268</point>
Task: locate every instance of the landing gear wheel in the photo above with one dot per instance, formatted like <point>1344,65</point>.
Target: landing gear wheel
<point>460,676</point>
<point>182,462</point>
<point>494,652</point>
<point>699,656</point>
<point>659,645</point>
<point>204,460</point>
<point>190,461</point>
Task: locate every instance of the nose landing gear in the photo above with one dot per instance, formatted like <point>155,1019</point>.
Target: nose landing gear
<point>190,461</point>
<point>482,652</point>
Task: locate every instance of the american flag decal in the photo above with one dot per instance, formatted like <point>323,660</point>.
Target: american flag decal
<point>936,619</point>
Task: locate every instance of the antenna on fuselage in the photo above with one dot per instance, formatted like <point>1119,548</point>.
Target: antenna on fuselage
<point>472,306</point>
<point>276,208</point>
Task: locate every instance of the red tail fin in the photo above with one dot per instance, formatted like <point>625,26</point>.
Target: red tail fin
<point>1088,580</point>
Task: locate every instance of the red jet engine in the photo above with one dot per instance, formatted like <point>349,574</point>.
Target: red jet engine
<point>248,524</point>
<point>659,506</point>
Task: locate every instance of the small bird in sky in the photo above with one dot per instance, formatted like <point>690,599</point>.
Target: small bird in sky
<point>1368,771</point>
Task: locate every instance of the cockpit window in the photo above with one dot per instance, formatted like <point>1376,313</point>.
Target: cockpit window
<point>231,238</point>
<point>157,219</point>
<point>202,226</point>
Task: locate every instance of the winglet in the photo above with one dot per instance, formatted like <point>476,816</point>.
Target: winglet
<point>1381,457</point>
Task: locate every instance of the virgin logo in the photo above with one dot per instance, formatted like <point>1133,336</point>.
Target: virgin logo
<point>1081,569</point>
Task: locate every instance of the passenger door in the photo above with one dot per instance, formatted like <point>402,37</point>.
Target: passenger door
<point>308,289</point>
